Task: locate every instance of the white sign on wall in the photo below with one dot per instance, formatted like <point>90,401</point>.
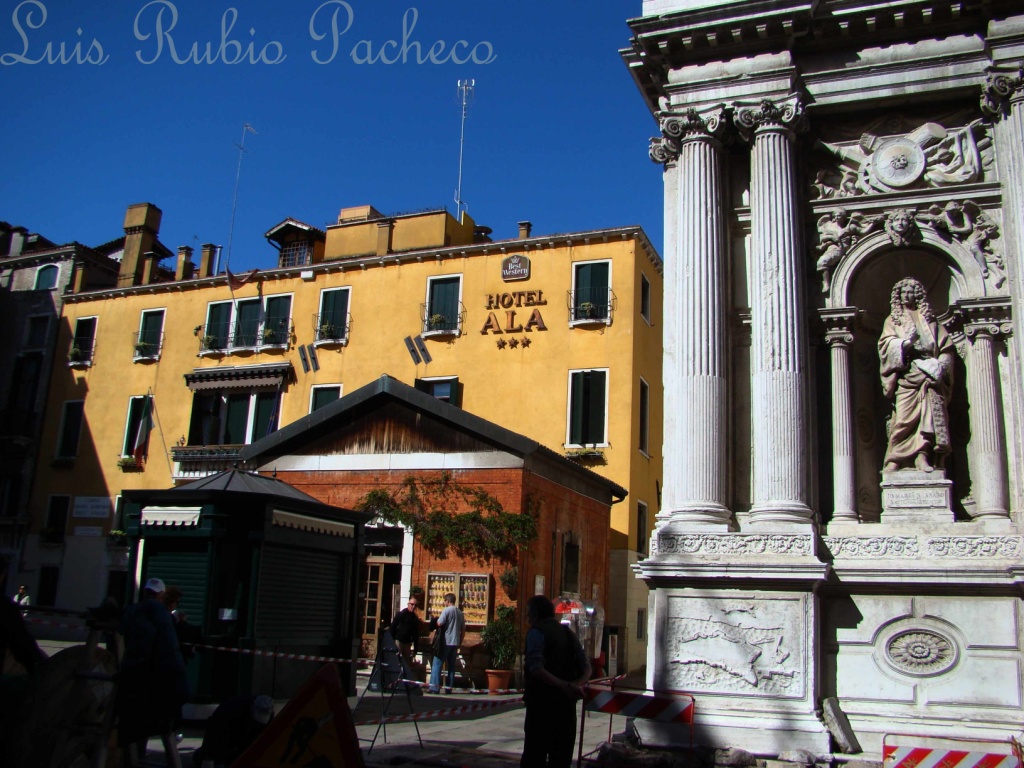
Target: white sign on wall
<point>92,507</point>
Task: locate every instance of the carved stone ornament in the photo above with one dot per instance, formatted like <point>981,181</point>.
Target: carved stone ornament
<point>974,229</point>
<point>858,547</point>
<point>921,652</point>
<point>663,150</point>
<point>1009,547</point>
<point>1000,86</point>
<point>901,227</point>
<point>929,156</point>
<point>838,231</point>
<point>768,113</point>
<point>734,544</point>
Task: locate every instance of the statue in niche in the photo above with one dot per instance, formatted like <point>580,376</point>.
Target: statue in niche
<point>838,231</point>
<point>916,357</point>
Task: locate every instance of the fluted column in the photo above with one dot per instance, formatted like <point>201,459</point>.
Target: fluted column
<point>839,336</point>
<point>988,451</point>
<point>695,492</point>
<point>1003,101</point>
<point>778,339</point>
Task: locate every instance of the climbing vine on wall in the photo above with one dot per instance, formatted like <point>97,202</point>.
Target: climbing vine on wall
<point>446,516</point>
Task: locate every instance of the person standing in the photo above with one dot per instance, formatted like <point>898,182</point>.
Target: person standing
<point>153,685</point>
<point>22,599</point>
<point>452,623</point>
<point>556,670</point>
<point>405,628</point>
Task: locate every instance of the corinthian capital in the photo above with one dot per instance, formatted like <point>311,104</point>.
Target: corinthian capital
<point>1001,86</point>
<point>769,113</point>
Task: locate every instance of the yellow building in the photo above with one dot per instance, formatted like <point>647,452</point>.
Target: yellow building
<point>163,379</point>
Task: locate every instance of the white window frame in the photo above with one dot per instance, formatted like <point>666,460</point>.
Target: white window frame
<point>85,363</point>
<point>42,267</point>
<point>160,343</point>
<point>644,419</point>
<point>453,379</point>
<point>315,387</point>
<point>230,345</point>
<point>607,320</point>
<point>645,288</point>
<point>458,308</point>
<point>343,339</point>
<point>60,431</point>
<point>128,422</point>
<point>250,422</point>
<point>568,408</point>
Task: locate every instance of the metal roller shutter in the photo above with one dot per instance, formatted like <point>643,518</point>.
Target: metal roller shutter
<point>299,596</point>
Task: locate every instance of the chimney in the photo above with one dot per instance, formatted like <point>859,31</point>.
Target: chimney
<point>206,254</point>
<point>183,271</point>
<point>525,228</point>
<point>149,267</point>
<point>78,279</point>
<point>141,226</point>
<point>385,229</point>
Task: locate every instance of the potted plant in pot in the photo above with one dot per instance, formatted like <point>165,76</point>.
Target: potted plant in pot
<point>500,638</point>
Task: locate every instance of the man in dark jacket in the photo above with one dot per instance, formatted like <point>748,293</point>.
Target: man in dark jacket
<point>405,628</point>
<point>556,670</point>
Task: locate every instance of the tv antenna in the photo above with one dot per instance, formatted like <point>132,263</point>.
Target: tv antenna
<point>464,95</point>
<point>246,128</point>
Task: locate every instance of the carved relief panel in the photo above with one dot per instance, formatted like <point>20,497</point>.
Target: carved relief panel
<point>748,645</point>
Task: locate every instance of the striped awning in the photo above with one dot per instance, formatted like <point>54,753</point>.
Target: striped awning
<point>170,516</point>
<point>238,376</point>
<point>313,524</point>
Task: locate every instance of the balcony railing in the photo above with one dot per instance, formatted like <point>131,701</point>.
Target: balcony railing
<point>194,461</point>
<point>443,323</point>
<point>222,338</point>
<point>591,305</point>
<point>147,346</point>
<point>81,353</point>
<point>328,330</point>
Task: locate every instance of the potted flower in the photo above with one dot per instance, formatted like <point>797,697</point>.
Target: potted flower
<point>437,322</point>
<point>269,336</point>
<point>208,341</point>
<point>500,638</point>
<point>76,354</point>
<point>328,331</point>
<point>586,309</point>
<point>144,348</point>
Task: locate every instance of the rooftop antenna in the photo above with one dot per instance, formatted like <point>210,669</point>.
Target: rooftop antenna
<point>246,128</point>
<point>464,95</point>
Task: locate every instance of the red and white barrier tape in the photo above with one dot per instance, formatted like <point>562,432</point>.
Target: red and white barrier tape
<point>273,654</point>
<point>441,712</point>
<point>461,691</point>
<point>48,623</point>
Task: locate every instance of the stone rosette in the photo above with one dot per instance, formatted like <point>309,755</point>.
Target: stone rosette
<point>921,652</point>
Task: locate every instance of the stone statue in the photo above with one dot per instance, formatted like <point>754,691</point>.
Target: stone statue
<point>970,225</point>
<point>916,357</point>
<point>901,226</point>
<point>838,231</point>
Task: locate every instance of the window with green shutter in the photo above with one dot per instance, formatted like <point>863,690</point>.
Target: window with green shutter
<point>247,323</point>
<point>332,323</point>
<point>443,304</point>
<point>591,291</point>
<point>324,395</point>
<point>218,326</point>
<point>587,407</point>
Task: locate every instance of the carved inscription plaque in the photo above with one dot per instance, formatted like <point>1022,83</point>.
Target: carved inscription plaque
<point>915,497</point>
<point>750,646</point>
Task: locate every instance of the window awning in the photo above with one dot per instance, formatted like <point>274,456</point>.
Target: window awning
<point>313,524</point>
<point>170,516</point>
<point>238,376</point>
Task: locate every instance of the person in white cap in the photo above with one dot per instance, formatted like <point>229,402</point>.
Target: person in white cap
<point>153,685</point>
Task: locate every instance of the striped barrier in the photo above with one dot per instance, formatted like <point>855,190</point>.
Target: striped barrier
<point>663,706</point>
<point>945,752</point>
<point>463,710</point>
<point>279,654</point>
<point>651,705</point>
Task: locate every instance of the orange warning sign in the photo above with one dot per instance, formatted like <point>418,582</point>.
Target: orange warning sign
<point>314,730</point>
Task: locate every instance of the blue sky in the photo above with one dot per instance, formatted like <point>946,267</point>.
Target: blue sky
<point>557,132</point>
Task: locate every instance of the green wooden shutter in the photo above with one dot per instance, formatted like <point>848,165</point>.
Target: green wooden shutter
<point>247,323</point>
<point>218,325</point>
<point>279,310</point>
<point>334,310</point>
<point>300,595</point>
<point>265,419</point>
<point>325,396</point>
<point>444,300</point>
<point>586,425</point>
<point>236,421</point>
<point>592,288</point>
<point>152,328</point>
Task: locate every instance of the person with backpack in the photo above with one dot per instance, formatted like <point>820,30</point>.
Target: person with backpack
<point>556,671</point>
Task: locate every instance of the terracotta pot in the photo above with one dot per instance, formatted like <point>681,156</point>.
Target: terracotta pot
<point>498,679</point>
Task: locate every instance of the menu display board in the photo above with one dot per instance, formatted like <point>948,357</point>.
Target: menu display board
<point>472,592</point>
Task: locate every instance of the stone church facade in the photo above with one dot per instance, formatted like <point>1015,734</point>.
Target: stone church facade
<point>840,528</point>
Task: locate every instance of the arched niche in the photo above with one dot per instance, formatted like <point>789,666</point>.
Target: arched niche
<point>877,253</point>
<point>864,282</point>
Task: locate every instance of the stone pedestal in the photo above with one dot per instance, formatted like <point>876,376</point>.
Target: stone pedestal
<point>910,496</point>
